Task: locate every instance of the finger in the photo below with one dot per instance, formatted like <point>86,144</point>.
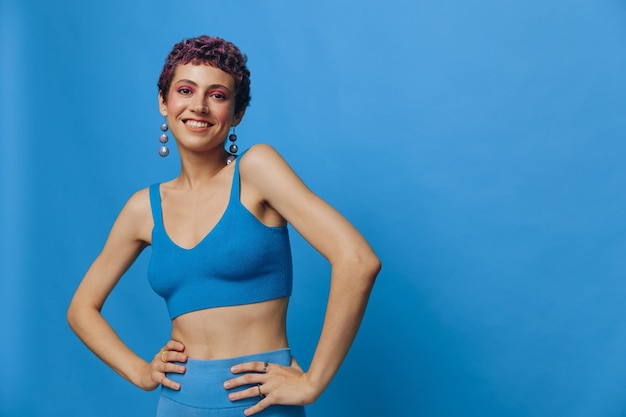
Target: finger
<point>258,407</point>
<point>255,366</point>
<point>160,374</point>
<point>247,393</point>
<point>247,379</point>
<point>167,356</point>
<point>174,345</point>
<point>166,382</point>
<point>173,368</point>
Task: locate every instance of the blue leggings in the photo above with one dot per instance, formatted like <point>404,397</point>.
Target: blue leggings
<point>202,393</point>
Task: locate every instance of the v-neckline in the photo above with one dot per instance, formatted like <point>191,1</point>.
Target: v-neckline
<point>215,226</point>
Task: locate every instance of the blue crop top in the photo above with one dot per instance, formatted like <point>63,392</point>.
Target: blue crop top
<point>241,261</point>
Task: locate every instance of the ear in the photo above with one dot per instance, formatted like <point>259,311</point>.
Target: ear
<point>238,117</point>
<point>162,105</point>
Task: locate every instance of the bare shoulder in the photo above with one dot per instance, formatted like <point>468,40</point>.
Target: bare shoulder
<point>262,163</point>
<point>264,170</point>
<point>260,156</point>
<point>135,218</point>
<point>139,203</point>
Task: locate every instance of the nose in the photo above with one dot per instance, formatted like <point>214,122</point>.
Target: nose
<point>200,106</point>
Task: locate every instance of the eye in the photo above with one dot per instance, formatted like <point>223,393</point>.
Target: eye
<point>184,91</point>
<point>219,96</point>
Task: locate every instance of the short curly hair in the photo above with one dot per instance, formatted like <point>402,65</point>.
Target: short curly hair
<point>213,51</point>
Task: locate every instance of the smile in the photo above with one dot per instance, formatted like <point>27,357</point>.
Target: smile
<point>197,124</point>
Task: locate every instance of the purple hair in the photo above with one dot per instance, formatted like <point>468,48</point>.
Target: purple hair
<point>213,51</point>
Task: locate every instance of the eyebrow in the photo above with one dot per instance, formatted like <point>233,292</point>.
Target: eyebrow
<point>185,81</point>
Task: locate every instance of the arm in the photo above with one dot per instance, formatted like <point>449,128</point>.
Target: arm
<point>125,242</point>
<point>354,269</point>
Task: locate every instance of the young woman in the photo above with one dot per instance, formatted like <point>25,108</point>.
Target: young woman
<point>221,257</point>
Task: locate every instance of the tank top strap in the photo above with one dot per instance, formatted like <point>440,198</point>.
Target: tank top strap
<point>236,187</point>
<point>155,205</point>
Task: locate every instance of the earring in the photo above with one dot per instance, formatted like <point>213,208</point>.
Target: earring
<point>233,137</point>
<point>163,151</point>
<point>232,149</point>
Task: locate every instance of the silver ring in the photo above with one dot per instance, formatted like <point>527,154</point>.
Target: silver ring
<point>258,386</point>
<point>265,367</point>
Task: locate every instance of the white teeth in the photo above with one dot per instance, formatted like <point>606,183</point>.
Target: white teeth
<point>194,123</point>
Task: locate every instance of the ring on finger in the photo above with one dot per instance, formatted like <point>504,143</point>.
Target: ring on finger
<point>265,367</point>
<point>163,356</point>
<point>258,386</point>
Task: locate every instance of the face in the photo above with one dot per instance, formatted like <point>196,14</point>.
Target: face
<point>200,106</point>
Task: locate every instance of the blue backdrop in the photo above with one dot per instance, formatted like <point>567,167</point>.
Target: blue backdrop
<point>479,147</point>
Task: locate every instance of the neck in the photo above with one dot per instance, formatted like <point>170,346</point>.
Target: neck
<point>197,169</point>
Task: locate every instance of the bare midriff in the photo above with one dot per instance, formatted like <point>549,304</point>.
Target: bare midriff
<point>227,332</point>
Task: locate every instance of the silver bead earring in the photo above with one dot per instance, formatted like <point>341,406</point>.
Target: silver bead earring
<point>233,137</point>
<point>163,150</point>
<point>232,149</point>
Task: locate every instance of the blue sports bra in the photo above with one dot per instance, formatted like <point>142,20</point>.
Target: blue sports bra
<point>240,261</point>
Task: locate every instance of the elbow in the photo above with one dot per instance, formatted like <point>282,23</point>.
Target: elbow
<point>367,265</point>
<point>75,315</point>
<point>369,261</point>
<point>377,265</point>
<point>373,265</point>
<point>71,316</point>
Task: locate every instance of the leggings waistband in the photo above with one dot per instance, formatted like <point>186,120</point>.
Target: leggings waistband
<point>201,386</point>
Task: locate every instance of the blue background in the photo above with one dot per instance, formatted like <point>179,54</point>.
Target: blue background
<point>479,147</point>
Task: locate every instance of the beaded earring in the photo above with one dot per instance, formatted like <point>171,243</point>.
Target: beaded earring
<point>232,149</point>
<point>233,137</point>
<point>163,150</point>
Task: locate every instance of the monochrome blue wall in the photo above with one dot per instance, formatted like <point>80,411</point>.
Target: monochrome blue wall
<point>479,146</point>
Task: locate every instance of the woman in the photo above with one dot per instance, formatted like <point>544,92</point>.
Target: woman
<point>221,258</point>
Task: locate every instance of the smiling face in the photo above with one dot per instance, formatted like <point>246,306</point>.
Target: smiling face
<point>200,107</point>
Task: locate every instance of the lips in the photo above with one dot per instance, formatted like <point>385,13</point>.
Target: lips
<point>197,124</point>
